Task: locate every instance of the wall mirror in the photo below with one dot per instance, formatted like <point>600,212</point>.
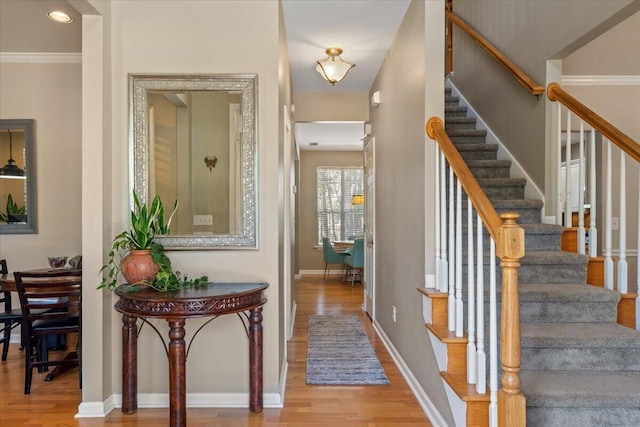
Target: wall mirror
<point>18,198</point>
<point>193,138</point>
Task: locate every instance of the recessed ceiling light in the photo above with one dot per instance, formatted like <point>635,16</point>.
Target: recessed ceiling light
<point>60,17</point>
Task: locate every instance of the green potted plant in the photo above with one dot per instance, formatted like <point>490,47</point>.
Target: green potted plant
<point>14,213</point>
<point>140,260</point>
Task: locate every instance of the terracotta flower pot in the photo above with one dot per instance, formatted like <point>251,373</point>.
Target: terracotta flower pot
<point>138,267</point>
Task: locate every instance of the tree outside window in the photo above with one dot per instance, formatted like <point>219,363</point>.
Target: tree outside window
<point>338,217</point>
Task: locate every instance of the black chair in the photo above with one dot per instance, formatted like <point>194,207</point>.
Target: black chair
<point>59,293</point>
<point>9,317</point>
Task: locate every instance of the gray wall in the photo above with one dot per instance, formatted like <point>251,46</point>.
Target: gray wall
<point>411,85</point>
<point>529,33</point>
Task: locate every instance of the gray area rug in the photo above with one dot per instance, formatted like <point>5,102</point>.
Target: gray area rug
<point>339,353</point>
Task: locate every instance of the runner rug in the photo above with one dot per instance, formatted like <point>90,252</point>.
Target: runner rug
<point>339,353</point>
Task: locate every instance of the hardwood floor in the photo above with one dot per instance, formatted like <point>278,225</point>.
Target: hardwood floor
<point>55,403</point>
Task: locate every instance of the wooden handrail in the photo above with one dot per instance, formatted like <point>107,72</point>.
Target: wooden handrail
<point>522,78</point>
<point>485,209</point>
<point>509,238</point>
<point>609,131</point>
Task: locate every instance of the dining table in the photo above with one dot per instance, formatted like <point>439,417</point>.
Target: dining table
<point>341,245</point>
<point>8,283</point>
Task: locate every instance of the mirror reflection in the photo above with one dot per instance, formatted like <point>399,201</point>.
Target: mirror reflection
<point>17,180</point>
<point>193,141</point>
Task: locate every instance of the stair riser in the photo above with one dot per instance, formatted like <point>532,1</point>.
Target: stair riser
<point>533,242</point>
<point>459,126</point>
<point>487,172</point>
<point>537,273</point>
<point>582,417</point>
<point>467,139</point>
<point>549,312</point>
<point>527,216</point>
<point>580,359</point>
<point>462,113</point>
<point>503,192</point>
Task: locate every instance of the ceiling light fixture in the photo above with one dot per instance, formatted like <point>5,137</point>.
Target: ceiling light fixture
<point>11,170</point>
<point>60,17</point>
<point>333,68</point>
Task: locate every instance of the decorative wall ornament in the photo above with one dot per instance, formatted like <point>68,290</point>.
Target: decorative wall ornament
<point>210,161</point>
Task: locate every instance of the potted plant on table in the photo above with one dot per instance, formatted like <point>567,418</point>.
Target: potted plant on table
<point>142,261</point>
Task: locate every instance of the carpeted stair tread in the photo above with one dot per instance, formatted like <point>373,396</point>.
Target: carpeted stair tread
<point>579,335</point>
<point>488,163</point>
<point>466,132</point>
<point>583,389</point>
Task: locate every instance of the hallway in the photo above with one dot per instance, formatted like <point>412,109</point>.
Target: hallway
<point>55,403</point>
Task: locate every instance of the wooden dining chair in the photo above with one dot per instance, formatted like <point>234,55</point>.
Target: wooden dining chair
<point>51,303</point>
<point>9,317</point>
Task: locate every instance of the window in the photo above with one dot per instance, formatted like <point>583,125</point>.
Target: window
<point>338,217</point>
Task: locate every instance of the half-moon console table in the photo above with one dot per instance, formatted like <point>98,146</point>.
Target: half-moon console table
<point>212,301</point>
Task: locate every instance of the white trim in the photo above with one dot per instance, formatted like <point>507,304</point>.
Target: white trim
<point>423,399</point>
<point>40,58</point>
<point>629,252</point>
<point>282,386</point>
<point>601,80</point>
<point>531,190</point>
<point>321,272</point>
<point>96,409</point>
<point>298,276</point>
<point>203,400</point>
<point>294,309</point>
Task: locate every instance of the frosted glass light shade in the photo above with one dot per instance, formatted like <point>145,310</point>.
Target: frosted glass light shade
<point>333,68</point>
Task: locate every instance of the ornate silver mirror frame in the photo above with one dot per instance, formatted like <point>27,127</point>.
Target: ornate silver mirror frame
<point>140,85</point>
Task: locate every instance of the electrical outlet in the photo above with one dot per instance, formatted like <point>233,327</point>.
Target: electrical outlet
<point>203,220</point>
<point>394,313</point>
<point>615,223</point>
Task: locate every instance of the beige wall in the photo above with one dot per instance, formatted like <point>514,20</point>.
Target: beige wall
<point>404,212</point>
<point>51,95</point>
<point>173,42</point>
<point>311,259</point>
<point>529,33</point>
<point>331,106</point>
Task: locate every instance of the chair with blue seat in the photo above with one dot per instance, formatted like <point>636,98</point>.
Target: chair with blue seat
<point>355,261</point>
<point>330,256</point>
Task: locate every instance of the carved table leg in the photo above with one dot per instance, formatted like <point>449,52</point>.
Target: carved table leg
<point>177,374</point>
<point>255,360</point>
<point>129,364</point>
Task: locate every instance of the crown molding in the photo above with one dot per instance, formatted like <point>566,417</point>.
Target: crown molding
<point>601,80</point>
<point>40,58</point>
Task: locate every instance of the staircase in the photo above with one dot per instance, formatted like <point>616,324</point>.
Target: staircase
<point>579,366</point>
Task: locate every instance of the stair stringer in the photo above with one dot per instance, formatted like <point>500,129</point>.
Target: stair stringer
<point>531,190</point>
<point>468,410</point>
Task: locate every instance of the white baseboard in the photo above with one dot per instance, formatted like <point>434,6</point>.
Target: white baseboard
<point>203,400</point>
<point>321,273</point>
<point>423,399</point>
<point>282,386</point>
<point>96,409</point>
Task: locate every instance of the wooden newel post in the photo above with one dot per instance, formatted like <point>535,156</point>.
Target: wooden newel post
<point>510,248</point>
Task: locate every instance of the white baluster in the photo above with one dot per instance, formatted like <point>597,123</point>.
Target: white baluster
<point>459,303</point>
<point>559,194</point>
<point>481,385</point>
<point>581,243</point>
<point>608,261</point>
<point>451,301</point>
<point>638,259</point>
<point>444,282</point>
<point>567,170</point>
<point>471,344</point>
<point>622,236</point>
<point>493,339</point>
<point>593,203</point>
<point>438,220</point>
